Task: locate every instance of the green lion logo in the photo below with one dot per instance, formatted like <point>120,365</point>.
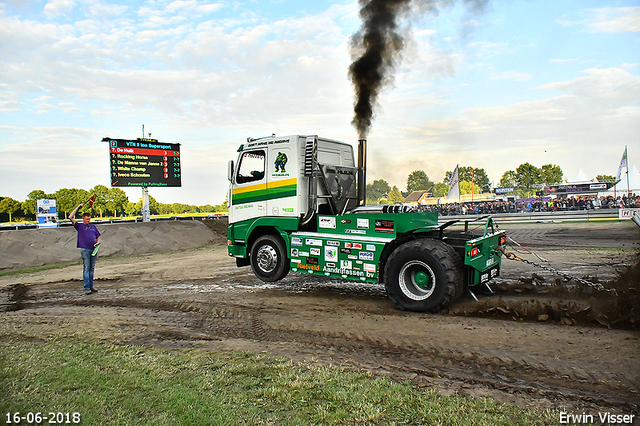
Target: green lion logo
<point>281,160</point>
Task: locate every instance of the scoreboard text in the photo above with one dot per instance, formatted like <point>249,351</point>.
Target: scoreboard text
<point>144,162</point>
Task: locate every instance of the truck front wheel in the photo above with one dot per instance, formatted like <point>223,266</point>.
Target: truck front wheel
<point>268,258</point>
<point>423,276</point>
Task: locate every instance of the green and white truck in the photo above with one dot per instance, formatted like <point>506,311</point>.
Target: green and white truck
<point>297,203</point>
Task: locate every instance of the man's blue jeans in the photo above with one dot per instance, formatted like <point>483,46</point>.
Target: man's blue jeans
<point>88,265</point>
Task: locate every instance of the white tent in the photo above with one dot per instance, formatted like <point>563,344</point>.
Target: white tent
<point>580,177</point>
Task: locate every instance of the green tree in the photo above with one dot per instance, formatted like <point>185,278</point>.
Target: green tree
<point>10,206</point>
<point>68,199</point>
<point>29,205</point>
<point>165,209</point>
<point>395,196</point>
<point>222,207</point>
<point>177,208</point>
<point>477,175</point>
<point>102,198</point>
<point>550,173</point>
<point>154,205</point>
<point>440,189</point>
<point>467,188</point>
<point>601,178</point>
<point>133,209</point>
<point>526,176</point>
<point>509,179</point>
<point>418,181</point>
<point>116,201</point>
<point>378,189</point>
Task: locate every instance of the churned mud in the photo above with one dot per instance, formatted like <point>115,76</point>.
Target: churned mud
<point>540,339</point>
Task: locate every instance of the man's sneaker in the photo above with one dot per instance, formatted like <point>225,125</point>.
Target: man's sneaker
<point>87,291</point>
<point>93,290</point>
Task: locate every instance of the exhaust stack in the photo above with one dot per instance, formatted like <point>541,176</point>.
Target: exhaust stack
<point>362,172</point>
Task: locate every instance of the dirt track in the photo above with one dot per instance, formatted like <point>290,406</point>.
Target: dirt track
<point>515,345</point>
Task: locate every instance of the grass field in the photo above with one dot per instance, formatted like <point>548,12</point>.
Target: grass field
<point>116,385</point>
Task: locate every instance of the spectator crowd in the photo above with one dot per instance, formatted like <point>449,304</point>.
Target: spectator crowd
<point>544,204</point>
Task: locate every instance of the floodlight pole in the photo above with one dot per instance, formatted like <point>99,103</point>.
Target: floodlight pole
<point>146,211</point>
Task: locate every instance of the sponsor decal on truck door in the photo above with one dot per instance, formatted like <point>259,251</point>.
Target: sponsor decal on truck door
<point>281,181</point>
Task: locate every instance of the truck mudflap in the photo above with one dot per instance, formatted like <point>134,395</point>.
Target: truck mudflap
<point>483,255</point>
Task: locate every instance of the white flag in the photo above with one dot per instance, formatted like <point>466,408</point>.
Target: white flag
<point>623,164</point>
<point>454,186</point>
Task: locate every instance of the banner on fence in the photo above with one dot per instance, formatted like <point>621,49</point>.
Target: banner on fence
<point>627,213</point>
<point>46,213</point>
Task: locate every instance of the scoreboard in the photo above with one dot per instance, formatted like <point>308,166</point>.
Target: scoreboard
<point>144,162</point>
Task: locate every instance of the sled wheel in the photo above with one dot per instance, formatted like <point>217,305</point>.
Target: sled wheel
<point>268,258</point>
<point>423,276</point>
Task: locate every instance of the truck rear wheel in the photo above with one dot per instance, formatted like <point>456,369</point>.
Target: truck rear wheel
<point>423,276</point>
<point>269,261</point>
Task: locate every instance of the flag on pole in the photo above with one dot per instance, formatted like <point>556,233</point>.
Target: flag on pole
<point>91,200</point>
<point>623,164</point>
<point>454,185</point>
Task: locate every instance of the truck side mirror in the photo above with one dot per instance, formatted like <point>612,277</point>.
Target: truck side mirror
<point>230,170</point>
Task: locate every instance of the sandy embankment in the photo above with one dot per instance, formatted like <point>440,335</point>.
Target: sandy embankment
<point>38,247</point>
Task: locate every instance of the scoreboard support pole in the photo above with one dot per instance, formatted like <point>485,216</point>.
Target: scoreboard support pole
<point>146,211</point>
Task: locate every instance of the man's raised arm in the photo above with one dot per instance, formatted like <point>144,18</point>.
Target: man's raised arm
<point>72,215</point>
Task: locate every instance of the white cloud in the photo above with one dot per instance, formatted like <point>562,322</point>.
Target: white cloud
<point>104,12</point>
<point>124,64</point>
<point>512,75</point>
<point>55,8</point>
<point>608,19</point>
<point>616,20</point>
<point>608,88</point>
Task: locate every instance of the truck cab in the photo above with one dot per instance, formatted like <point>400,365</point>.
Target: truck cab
<point>269,176</point>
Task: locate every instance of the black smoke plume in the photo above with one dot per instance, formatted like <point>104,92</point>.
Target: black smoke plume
<point>381,43</point>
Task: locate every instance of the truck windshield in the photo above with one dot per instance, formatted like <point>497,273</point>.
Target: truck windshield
<point>251,168</point>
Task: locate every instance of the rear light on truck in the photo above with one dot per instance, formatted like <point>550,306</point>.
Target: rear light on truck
<point>503,240</point>
<point>473,252</point>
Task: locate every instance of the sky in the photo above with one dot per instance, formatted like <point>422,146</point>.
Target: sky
<point>491,84</point>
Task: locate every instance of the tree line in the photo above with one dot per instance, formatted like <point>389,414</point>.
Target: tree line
<point>525,180</point>
<point>111,202</point>
<point>472,179</point>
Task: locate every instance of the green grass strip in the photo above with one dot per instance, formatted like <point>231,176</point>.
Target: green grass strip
<point>114,385</point>
<point>38,269</point>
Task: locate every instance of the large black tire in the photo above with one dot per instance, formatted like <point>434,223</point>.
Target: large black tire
<point>269,260</point>
<point>424,276</point>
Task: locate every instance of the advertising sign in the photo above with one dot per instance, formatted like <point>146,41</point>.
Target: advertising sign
<point>144,163</point>
<point>504,190</point>
<point>628,213</point>
<point>577,189</point>
<point>46,213</point>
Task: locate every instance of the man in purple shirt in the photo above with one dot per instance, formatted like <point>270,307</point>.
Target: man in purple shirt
<point>88,240</point>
